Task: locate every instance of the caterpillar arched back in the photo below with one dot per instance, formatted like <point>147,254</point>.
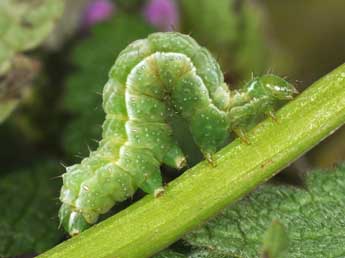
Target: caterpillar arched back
<point>152,80</point>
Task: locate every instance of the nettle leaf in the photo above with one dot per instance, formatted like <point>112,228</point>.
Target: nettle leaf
<point>311,222</point>
<point>169,254</point>
<point>28,221</point>
<point>92,59</point>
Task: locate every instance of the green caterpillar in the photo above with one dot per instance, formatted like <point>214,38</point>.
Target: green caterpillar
<point>153,80</point>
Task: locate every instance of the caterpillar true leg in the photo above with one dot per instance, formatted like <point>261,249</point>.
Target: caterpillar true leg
<point>272,115</point>
<point>210,159</point>
<point>242,135</point>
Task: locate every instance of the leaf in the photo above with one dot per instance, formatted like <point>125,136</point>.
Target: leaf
<point>24,24</point>
<point>169,254</point>
<point>196,253</point>
<point>251,53</point>
<point>232,29</point>
<point>92,59</point>
<point>313,218</point>
<point>274,245</point>
<point>28,220</point>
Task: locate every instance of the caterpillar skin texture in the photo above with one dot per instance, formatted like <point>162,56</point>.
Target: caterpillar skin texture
<point>152,80</point>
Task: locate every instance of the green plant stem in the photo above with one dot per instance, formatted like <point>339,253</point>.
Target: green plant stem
<point>152,224</point>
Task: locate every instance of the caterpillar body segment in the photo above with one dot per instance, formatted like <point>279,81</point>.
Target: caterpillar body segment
<point>153,80</point>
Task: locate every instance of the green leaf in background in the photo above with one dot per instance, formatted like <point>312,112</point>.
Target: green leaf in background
<point>23,25</point>
<point>313,219</point>
<point>92,59</point>
<point>28,220</point>
<point>231,29</point>
<point>168,253</point>
<point>251,53</point>
<point>275,243</point>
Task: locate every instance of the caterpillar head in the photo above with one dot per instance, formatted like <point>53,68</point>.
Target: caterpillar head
<point>272,86</point>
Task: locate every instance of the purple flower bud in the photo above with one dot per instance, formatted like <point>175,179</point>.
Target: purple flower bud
<point>163,14</point>
<point>97,11</point>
